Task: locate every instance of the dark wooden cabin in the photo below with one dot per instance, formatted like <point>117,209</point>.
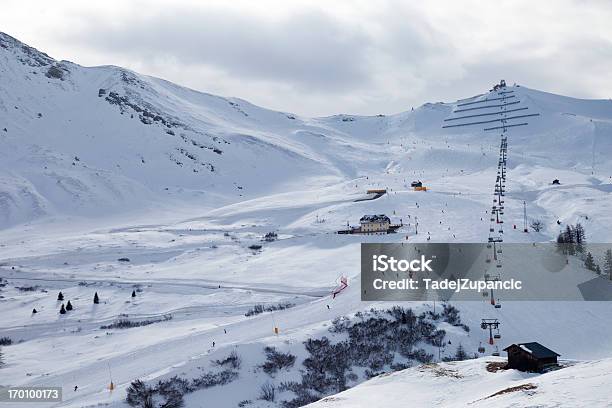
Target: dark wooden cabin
<point>530,357</point>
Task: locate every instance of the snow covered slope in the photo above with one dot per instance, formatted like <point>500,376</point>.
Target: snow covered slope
<point>468,383</point>
<point>105,140</point>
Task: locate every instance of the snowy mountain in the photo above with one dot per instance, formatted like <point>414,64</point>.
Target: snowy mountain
<point>104,140</point>
<point>114,183</point>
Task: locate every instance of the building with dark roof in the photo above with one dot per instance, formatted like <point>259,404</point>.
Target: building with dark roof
<point>377,223</point>
<point>530,357</point>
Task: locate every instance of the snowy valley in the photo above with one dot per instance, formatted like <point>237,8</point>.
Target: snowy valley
<point>158,199</point>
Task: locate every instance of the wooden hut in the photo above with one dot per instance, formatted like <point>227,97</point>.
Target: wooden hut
<point>530,357</point>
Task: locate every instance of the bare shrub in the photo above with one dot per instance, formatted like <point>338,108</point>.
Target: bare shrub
<point>267,392</point>
<point>275,360</point>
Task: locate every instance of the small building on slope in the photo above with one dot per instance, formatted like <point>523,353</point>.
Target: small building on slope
<point>378,223</point>
<point>530,357</point>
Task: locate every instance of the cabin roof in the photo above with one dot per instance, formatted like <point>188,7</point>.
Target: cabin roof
<point>536,349</point>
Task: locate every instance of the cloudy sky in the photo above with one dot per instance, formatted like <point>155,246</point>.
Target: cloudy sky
<point>326,57</point>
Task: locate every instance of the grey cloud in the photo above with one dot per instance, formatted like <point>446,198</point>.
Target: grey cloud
<point>309,49</point>
<point>380,57</point>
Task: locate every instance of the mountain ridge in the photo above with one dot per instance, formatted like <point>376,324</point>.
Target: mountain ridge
<point>103,140</point>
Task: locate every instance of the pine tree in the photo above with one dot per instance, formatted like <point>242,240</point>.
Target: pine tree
<point>460,354</point>
<point>569,239</point>
<point>589,262</point>
<point>133,293</point>
<point>34,311</point>
<point>60,296</point>
<point>69,306</point>
<point>96,298</point>
<point>608,263</point>
<point>569,235</point>
<point>62,309</point>
<point>579,238</point>
<point>1,358</point>
<point>561,244</point>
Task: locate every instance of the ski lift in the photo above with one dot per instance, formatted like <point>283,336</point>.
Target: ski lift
<point>485,294</point>
<point>496,352</point>
<point>497,335</point>
<point>481,348</point>
<point>488,260</point>
<point>498,305</point>
<point>488,245</point>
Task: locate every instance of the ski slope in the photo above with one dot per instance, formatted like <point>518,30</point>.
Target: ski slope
<point>184,189</point>
<point>468,383</point>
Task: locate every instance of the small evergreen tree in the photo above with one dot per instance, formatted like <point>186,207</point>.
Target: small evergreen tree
<point>62,309</point>
<point>60,296</point>
<point>561,243</point>
<point>579,238</point>
<point>34,311</point>
<point>569,240</point>
<point>1,358</point>
<point>589,262</point>
<point>69,306</point>
<point>608,263</point>
<point>133,293</point>
<point>96,298</point>
<point>460,354</point>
